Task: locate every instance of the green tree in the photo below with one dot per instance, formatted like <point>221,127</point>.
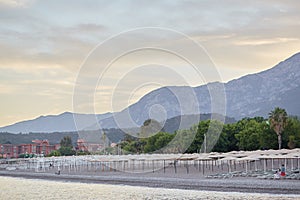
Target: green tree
<point>267,139</point>
<point>292,143</point>
<point>158,143</point>
<point>67,151</point>
<point>229,131</point>
<point>223,143</point>
<point>66,147</point>
<point>207,136</point>
<point>150,144</point>
<point>54,153</point>
<point>199,137</point>
<point>104,142</point>
<point>278,120</point>
<point>291,134</point>
<point>66,142</point>
<point>183,139</point>
<point>132,147</point>
<point>249,135</point>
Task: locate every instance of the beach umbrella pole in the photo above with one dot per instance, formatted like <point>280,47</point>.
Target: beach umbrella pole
<point>175,167</point>
<point>255,165</point>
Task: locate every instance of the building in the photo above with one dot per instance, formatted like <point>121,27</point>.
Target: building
<point>9,151</point>
<point>82,145</point>
<point>36,147</point>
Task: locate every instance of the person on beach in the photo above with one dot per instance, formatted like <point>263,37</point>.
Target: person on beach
<point>277,174</point>
<point>282,170</point>
<point>58,171</point>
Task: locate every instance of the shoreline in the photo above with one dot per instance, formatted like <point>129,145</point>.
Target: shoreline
<point>241,172</point>
<point>242,185</point>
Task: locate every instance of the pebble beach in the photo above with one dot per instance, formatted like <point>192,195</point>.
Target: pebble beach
<point>19,188</point>
<point>152,177</point>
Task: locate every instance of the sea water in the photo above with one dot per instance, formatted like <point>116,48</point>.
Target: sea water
<point>19,188</point>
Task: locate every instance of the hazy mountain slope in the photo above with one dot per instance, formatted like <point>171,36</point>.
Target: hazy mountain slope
<point>249,96</point>
<point>54,123</point>
<point>257,94</point>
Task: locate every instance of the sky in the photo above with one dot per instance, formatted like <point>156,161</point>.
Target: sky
<point>101,56</point>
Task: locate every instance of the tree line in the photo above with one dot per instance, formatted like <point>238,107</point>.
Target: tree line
<point>276,132</point>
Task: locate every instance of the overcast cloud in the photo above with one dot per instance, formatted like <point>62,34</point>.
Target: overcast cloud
<point>43,44</point>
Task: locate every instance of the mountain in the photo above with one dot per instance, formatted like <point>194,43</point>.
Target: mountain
<point>258,94</point>
<point>53,138</point>
<point>65,122</point>
<point>95,136</point>
<point>249,96</point>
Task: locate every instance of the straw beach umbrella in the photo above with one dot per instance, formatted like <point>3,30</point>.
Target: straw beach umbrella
<point>229,160</point>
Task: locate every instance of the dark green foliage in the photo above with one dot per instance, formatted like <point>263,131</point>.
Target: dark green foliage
<point>207,136</point>
<point>249,135</point>
<point>66,147</point>
<point>66,142</point>
<point>157,142</point>
<point>54,153</point>
<point>136,146</point>
<point>66,151</point>
<point>199,137</point>
<point>291,133</point>
<point>26,155</point>
<point>227,141</point>
<point>81,153</point>
<point>246,134</point>
<point>183,139</point>
<point>223,144</point>
<point>278,121</point>
<point>268,138</point>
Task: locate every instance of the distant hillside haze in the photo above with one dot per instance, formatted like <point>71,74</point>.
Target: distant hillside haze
<point>249,96</point>
<point>54,123</point>
<point>258,94</point>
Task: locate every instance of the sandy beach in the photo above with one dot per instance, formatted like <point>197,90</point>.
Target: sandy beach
<point>158,180</point>
<point>20,188</point>
<point>243,172</point>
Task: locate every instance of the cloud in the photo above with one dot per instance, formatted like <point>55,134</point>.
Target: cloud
<point>16,3</point>
<point>5,89</point>
<point>44,43</point>
<point>265,41</point>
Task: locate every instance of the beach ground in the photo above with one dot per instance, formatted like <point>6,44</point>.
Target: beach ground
<point>169,180</point>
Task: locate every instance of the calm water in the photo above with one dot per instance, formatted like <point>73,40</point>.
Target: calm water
<point>17,188</point>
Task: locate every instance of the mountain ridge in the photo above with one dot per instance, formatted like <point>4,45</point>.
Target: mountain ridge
<point>248,96</point>
<point>63,122</point>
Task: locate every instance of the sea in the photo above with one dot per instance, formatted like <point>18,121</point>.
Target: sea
<point>21,188</point>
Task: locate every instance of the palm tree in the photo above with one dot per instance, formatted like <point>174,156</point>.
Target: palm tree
<point>278,120</point>
<point>103,138</point>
